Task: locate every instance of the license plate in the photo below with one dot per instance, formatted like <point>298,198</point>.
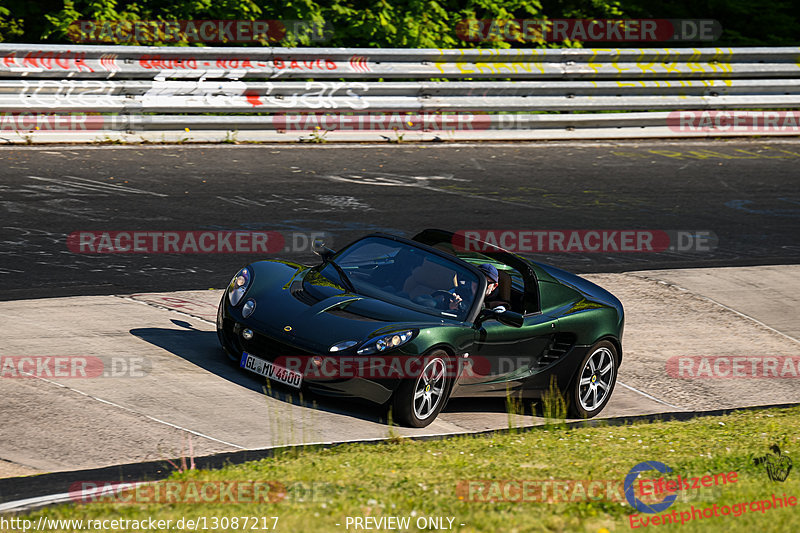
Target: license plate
<point>271,370</point>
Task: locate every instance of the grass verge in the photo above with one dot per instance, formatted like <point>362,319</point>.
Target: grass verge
<point>320,488</point>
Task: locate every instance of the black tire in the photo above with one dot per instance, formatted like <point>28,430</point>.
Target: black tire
<point>419,412</point>
<point>594,381</point>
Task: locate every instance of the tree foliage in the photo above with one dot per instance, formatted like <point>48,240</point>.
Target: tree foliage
<point>402,23</point>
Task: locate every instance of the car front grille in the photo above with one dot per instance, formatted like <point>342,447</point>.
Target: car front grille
<point>270,349</point>
<point>262,346</point>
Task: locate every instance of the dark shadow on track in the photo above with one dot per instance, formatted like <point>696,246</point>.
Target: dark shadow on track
<point>201,348</point>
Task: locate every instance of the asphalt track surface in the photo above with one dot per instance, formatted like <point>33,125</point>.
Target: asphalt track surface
<point>744,192</point>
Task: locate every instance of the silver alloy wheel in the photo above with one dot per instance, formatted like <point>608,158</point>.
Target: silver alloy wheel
<point>596,379</point>
<point>429,388</point>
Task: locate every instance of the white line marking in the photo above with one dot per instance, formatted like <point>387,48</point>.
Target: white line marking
<point>650,397</point>
<point>92,184</point>
<point>385,179</point>
<point>154,419</point>
<point>749,317</point>
<point>670,284</point>
<point>246,202</point>
<point>75,212</point>
<point>114,186</point>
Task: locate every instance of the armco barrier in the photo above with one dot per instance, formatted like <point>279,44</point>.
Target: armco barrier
<point>109,93</point>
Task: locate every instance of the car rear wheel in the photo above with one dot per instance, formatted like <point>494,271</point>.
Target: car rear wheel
<point>594,381</point>
<point>419,399</point>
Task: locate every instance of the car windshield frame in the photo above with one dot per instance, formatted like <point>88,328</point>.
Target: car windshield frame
<point>525,267</point>
<point>465,275</point>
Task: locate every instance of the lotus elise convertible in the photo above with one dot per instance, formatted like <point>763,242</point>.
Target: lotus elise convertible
<point>406,323</point>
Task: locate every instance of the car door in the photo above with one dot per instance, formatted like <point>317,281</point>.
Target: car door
<point>502,355</point>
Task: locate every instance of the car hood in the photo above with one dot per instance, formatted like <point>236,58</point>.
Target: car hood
<point>286,310</point>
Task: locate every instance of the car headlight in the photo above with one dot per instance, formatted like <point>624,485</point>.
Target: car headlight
<point>386,342</point>
<point>248,308</point>
<point>339,346</point>
<point>239,285</point>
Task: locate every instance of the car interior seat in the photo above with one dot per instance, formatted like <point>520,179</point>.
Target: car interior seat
<point>503,293</point>
<point>395,275</point>
<point>429,277</point>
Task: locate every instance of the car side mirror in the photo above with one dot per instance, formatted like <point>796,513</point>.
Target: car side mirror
<point>319,248</point>
<point>504,316</point>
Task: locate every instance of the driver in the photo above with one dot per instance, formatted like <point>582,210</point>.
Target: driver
<point>491,297</point>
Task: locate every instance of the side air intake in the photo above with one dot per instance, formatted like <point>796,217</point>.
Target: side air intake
<point>559,346</point>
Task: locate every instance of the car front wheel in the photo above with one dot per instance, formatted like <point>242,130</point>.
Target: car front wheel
<point>595,381</point>
<point>419,399</point>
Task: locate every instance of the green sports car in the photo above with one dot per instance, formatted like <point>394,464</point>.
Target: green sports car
<point>410,323</point>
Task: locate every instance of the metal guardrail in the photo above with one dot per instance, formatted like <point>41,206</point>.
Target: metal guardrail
<point>80,93</point>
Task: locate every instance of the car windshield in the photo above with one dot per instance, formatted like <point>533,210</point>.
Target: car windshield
<point>407,276</point>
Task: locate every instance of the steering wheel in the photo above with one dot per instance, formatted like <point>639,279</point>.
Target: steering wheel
<point>448,294</point>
